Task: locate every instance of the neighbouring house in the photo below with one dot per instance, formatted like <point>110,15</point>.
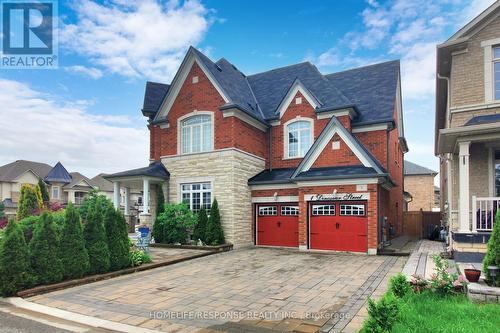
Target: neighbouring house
<point>295,158</point>
<point>63,186</point>
<point>468,132</point>
<point>419,183</point>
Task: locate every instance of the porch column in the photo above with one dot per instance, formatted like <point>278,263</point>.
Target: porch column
<point>463,184</point>
<point>127,201</point>
<point>145,198</point>
<point>116,194</point>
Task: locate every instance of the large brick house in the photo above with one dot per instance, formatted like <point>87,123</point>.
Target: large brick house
<point>294,157</point>
<point>468,132</point>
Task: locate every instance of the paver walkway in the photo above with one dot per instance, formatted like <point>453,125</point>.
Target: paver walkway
<point>420,262</point>
<point>252,290</point>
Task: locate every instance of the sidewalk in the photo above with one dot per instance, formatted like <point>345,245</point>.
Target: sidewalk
<point>420,261</point>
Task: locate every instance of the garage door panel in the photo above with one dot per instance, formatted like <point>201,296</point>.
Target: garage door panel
<point>278,225</point>
<point>338,226</point>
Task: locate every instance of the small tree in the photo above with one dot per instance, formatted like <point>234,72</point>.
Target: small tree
<point>215,233</point>
<point>200,229</point>
<point>492,257</point>
<point>117,235</point>
<point>95,238</point>
<point>44,251</point>
<point>43,191</point>
<point>160,199</point>
<point>14,260</point>
<point>2,210</point>
<point>74,256</point>
<point>29,201</point>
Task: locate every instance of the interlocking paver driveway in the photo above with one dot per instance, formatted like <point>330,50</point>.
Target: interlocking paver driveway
<point>258,287</point>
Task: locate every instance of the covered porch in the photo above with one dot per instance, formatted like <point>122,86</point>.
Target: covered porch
<point>151,179</point>
<point>471,175</point>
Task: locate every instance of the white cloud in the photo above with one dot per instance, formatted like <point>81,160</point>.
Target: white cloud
<point>136,38</point>
<point>37,127</point>
<point>92,72</point>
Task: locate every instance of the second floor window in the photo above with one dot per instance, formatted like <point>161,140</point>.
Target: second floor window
<point>496,72</point>
<point>55,192</point>
<point>196,134</point>
<point>299,138</point>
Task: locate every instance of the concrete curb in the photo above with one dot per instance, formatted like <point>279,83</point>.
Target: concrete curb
<point>74,317</point>
<point>94,278</point>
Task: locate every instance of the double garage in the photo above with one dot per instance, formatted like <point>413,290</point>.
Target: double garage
<point>331,225</point>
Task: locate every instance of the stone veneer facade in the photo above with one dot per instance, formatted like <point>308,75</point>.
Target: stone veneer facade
<point>228,170</point>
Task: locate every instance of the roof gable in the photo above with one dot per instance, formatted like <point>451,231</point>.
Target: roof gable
<point>476,23</point>
<point>290,95</point>
<point>335,127</point>
<point>11,171</point>
<point>206,66</point>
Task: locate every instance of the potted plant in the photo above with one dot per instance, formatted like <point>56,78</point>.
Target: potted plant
<point>472,274</point>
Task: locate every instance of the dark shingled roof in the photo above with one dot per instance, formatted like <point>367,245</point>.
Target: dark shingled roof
<point>58,174</point>
<point>348,171</point>
<point>272,86</point>
<point>371,88</point>
<point>412,169</point>
<point>155,169</point>
<point>153,97</point>
<point>276,176</point>
<point>273,176</point>
<point>477,120</point>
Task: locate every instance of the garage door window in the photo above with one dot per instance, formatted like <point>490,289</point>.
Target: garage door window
<point>290,210</point>
<point>323,209</point>
<point>267,211</point>
<point>352,210</point>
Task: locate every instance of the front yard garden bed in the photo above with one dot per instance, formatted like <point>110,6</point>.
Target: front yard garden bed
<point>213,248</point>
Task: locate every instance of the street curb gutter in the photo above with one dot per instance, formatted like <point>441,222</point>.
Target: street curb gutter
<point>94,278</point>
<point>74,317</point>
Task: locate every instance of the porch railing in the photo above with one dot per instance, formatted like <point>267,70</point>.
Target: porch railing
<point>484,211</point>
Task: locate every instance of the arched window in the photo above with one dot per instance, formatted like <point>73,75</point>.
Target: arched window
<point>299,136</point>
<point>196,134</point>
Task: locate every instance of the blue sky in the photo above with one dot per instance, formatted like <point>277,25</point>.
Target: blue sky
<point>87,112</point>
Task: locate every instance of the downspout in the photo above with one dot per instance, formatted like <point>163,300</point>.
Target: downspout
<point>448,92</point>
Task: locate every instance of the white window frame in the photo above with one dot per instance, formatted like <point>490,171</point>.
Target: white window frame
<point>58,192</point>
<point>352,210</point>
<point>271,210</point>
<point>201,191</point>
<point>289,210</point>
<point>494,61</point>
<point>179,132</point>
<point>285,136</point>
<point>323,210</point>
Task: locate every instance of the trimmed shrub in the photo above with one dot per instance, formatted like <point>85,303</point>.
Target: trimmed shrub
<point>43,191</point>
<point>173,224</point>
<point>215,233</point>
<point>200,229</point>
<point>492,257</point>
<point>14,261</point>
<point>160,199</point>
<point>90,201</point>
<point>399,285</point>
<point>382,315</point>
<point>27,226</point>
<point>44,251</point>
<point>95,238</point>
<point>30,201</point>
<point>74,256</point>
<point>118,241</point>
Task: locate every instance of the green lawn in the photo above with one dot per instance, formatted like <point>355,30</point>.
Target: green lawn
<point>428,312</point>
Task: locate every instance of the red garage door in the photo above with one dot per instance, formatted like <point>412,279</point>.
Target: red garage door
<point>339,226</point>
<point>278,225</point>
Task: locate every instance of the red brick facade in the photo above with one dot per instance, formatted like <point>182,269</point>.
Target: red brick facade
<point>232,132</point>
